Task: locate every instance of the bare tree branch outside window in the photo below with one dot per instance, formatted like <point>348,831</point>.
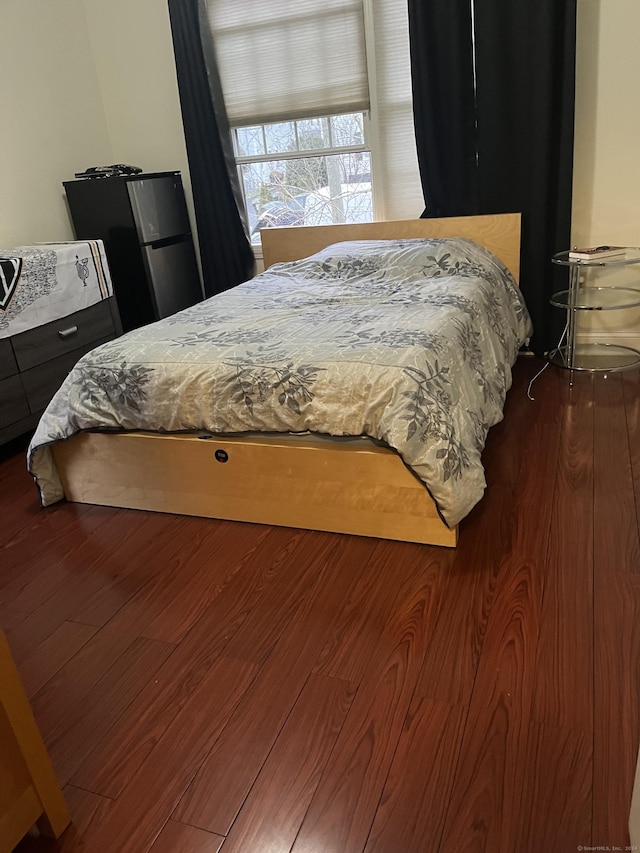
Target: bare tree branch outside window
<point>284,186</point>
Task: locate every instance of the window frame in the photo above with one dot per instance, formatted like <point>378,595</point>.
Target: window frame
<point>304,153</point>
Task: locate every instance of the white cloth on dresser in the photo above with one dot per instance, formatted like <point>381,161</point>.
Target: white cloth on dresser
<point>48,281</point>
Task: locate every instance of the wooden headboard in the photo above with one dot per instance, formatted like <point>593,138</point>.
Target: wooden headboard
<point>500,233</point>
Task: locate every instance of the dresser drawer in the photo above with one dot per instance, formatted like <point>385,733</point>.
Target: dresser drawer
<point>83,329</point>
<point>8,366</point>
<point>13,402</point>
<point>41,382</point>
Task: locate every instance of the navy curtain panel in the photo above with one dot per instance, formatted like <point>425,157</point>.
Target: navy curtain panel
<point>225,250</point>
<point>503,75</point>
<point>441,44</point>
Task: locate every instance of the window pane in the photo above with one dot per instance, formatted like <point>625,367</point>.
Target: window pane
<point>347,130</point>
<point>313,134</point>
<point>308,191</point>
<point>356,167</point>
<point>250,141</point>
<point>280,137</point>
<point>316,134</point>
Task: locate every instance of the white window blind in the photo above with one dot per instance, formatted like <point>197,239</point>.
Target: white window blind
<point>398,191</point>
<point>289,59</point>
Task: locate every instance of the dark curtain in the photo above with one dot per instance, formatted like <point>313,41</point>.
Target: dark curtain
<point>225,250</point>
<point>521,124</point>
<point>441,45</point>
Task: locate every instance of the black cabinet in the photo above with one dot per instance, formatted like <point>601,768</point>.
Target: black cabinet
<point>143,222</point>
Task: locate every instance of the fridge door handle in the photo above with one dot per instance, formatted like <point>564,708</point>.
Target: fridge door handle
<point>168,241</point>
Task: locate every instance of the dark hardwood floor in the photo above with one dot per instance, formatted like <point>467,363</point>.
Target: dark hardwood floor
<point>211,686</point>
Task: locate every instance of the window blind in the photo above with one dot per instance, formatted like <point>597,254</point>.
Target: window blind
<point>398,190</point>
<point>286,59</point>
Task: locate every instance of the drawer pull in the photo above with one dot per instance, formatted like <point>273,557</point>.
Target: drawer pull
<point>68,333</point>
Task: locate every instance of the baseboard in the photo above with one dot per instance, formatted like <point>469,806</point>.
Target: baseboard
<point>623,339</point>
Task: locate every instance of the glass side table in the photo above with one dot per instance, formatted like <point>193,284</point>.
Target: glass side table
<point>592,357</point>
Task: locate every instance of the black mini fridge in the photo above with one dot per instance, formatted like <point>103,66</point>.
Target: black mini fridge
<point>142,220</point>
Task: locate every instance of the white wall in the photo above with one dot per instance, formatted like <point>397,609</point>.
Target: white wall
<point>133,53</point>
<point>95,82</point>
<point>53,120</point>
<point>606,200</point>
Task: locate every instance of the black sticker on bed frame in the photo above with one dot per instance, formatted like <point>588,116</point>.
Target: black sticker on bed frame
<point>221,455</point>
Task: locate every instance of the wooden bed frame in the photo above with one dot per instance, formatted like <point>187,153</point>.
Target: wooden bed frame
<point>344,486</point>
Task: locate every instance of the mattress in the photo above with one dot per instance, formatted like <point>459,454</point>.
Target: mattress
<point>408,342</point>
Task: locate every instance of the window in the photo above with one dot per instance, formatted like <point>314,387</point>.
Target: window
<point>318,96</point>
<point>314,171</point>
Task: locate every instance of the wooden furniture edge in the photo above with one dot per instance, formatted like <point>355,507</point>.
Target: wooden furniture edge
<point>35,795</point>
<point>308,482</point>
<point>499,232</point>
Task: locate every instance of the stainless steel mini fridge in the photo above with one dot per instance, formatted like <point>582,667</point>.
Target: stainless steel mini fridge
<point>143,222</point>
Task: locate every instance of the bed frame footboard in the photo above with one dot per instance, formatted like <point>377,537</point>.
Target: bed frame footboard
<point>345,486</point>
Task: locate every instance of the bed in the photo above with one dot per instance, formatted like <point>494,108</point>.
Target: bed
<point>312,396</point>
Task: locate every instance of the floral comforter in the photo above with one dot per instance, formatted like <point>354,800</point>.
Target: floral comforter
<point>410,342</point>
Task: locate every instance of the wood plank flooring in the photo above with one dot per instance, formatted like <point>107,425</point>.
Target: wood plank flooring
<point>232,688</point>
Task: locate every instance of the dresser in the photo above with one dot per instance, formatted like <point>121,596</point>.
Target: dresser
<point>47,324</point>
